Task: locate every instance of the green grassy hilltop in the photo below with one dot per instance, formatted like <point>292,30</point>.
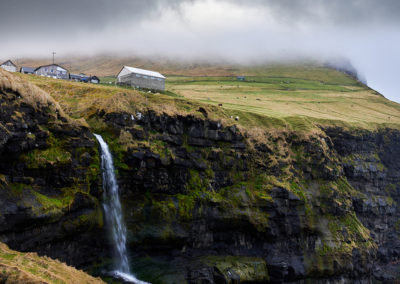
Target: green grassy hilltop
<point>279,96</point>
<point>297,94</point>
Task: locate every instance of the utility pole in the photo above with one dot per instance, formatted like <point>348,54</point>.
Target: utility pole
<point>53,57</point>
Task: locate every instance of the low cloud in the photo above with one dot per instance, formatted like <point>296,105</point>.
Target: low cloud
<point>365,31</point>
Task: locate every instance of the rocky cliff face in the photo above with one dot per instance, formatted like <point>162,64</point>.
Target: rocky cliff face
<point>284,207</point>
<point>49,176</point>
<point>204,202</point>
<point>371,165</point>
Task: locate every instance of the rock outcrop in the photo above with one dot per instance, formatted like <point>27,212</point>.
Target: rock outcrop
<point>49,177</point>
<point>285,207</point>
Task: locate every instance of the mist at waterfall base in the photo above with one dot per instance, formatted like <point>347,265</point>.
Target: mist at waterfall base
<point>114,217</point>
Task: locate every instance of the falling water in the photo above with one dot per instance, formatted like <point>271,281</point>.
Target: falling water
<point>113,213</point>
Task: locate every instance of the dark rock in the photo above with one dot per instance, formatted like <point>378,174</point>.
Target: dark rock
<point>173,139</point>
<point>199,142</point>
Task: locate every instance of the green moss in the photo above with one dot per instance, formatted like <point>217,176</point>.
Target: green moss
<point>161,148</point>
<point>247,268</point>
<point>390,188</point>
<point>258,187</point>
<point>195,182</point>
<point>164,210</point>
<point>295,188</point>
<point>355,227</point>
<point>91,219</point>
<point>44,158</point>
<point>186,204</point>
<point>31,136</point>
<point>94,218</point>
<point>7,256</point>
<point>49,203</point>
<point>209,173</point>
<point>97,124</point>
<point>17,188</point>
<point>54,154</point>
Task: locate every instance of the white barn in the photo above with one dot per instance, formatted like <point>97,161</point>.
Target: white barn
<point>140,78</point>
<point>9,66</point>
<point>52,70</point>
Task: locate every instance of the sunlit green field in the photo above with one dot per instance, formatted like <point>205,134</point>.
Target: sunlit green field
<point>293,97</point>
<point>314,94</point>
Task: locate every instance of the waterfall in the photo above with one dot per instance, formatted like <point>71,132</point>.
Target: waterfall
<point>114,216</point>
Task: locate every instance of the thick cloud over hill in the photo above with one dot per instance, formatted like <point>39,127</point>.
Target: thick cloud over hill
<point>365,31</point>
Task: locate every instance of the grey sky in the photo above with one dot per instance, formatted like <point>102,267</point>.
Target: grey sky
<point>244,31</point>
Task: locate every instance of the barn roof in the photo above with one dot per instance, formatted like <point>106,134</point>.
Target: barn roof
<point>51,65</point>
<point>8,61</point>
<point>27,69</point>
<point>143,72</point>
<point>75,76</point>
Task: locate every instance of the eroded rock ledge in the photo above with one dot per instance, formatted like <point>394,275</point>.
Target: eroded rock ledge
<point>286,206</point>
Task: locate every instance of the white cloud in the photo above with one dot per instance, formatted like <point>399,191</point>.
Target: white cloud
<point>366,32</point>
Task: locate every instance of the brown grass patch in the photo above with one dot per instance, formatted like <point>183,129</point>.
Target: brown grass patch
<point>16,267</point>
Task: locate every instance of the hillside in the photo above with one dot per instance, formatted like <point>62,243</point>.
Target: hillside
<point>17,267</point>
<point>108,65</point>
<point>278,96</point>
<point>291,192</point>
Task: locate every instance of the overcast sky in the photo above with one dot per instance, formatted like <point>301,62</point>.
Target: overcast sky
<point>365,31</point>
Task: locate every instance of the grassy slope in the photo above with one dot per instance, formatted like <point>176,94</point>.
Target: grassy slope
<point>17,267</point>
<point>295,94</point>
<point>294,97</point>
<point>107,65</point>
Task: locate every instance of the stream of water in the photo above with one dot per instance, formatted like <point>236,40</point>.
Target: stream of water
<point>114,216</point>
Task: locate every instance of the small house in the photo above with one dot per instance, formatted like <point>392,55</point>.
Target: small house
<point>27,70</point>
<point>53,71</point>
<point>94,80</point>
<point>84,79</point>
<point>75,77</point>
<point>9,66</point>
<point>140,78</point>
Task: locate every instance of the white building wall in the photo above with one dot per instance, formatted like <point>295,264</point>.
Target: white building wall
<point>53,71</point>
<point>9,67</point>
<point>142,81</point>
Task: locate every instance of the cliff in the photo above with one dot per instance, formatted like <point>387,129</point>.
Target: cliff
<point>279,207</point>
<point>206,199</point>
<point>49,181</point>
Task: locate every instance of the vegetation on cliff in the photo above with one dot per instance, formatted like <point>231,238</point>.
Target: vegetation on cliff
<point>17,267</point>
<point>299,97</point>
<point>49,169</point>
<point>273,195</point>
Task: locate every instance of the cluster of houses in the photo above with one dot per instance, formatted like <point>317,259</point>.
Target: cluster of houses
<point>128,76</point>
<point>52,70</point>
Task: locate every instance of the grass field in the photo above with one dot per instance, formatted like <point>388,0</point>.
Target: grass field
<point>17,267</point>
<point>314,94</point>
<point>280,96</point>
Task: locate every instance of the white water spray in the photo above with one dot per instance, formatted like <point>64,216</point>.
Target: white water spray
<point>114,217</point>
